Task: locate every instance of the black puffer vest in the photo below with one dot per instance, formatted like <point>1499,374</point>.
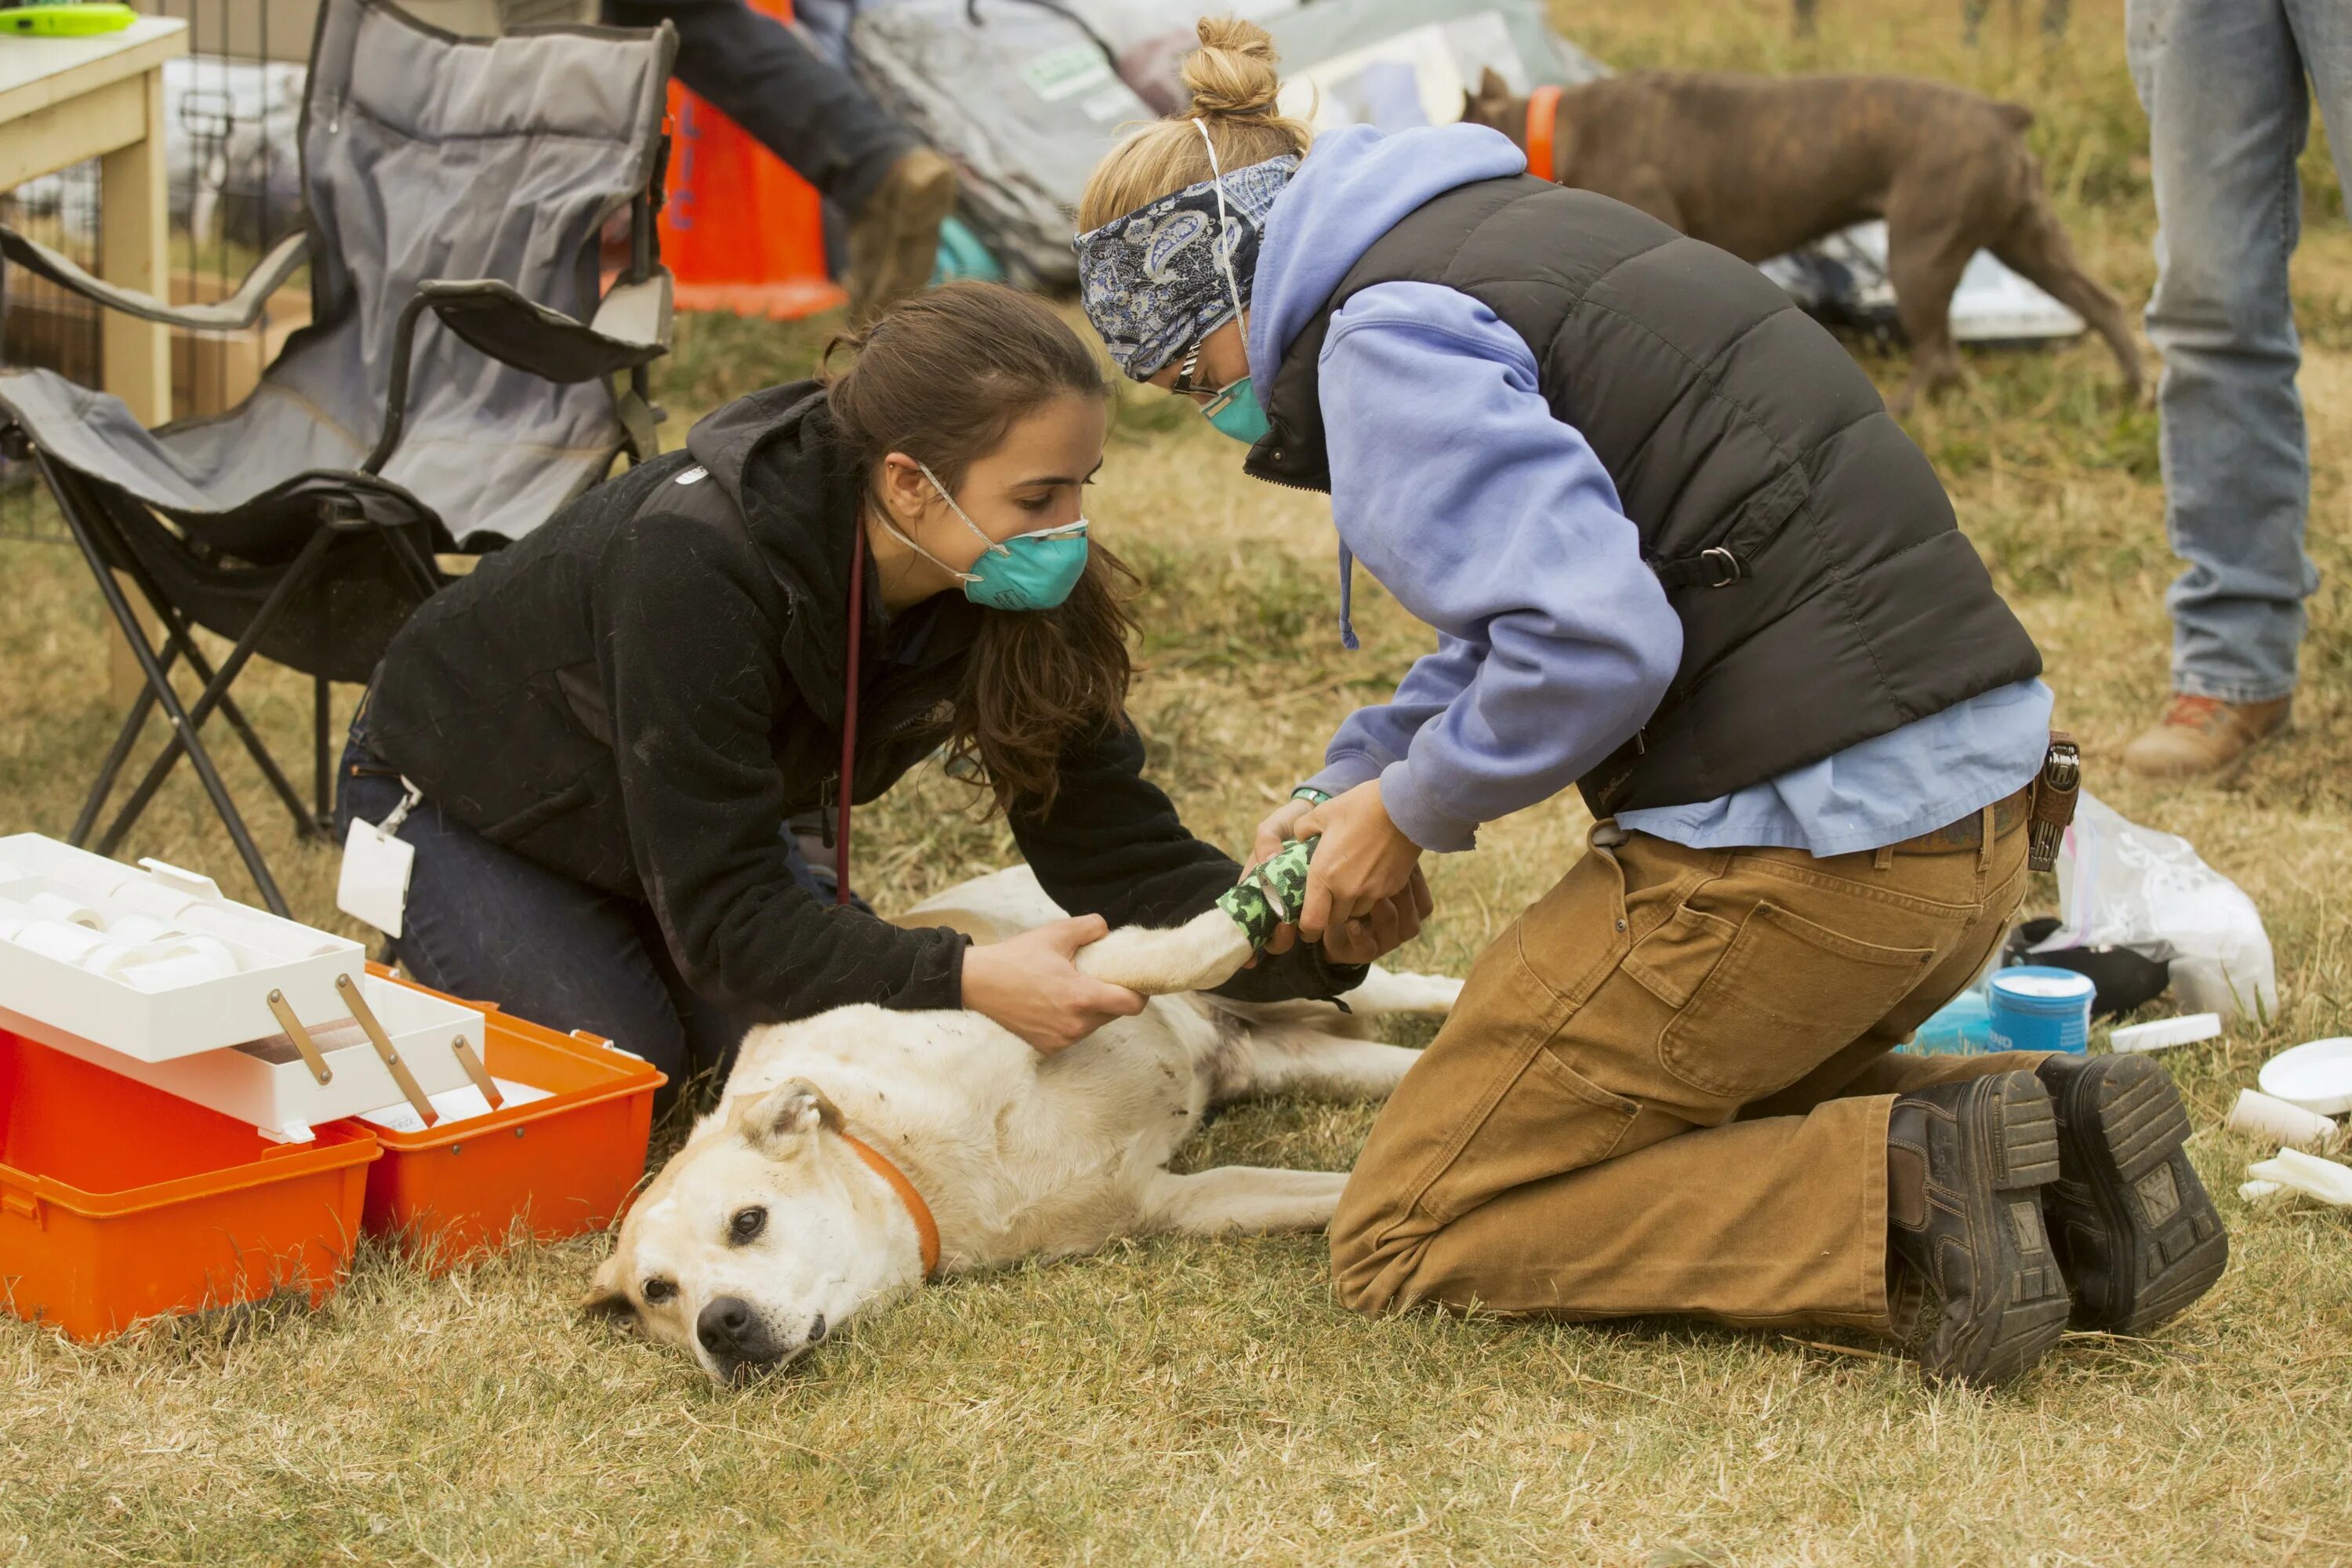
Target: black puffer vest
<point>1826,592</point>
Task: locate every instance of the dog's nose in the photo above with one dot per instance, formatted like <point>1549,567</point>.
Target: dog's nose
<point>816,1329</point>
<point>722,1324</point>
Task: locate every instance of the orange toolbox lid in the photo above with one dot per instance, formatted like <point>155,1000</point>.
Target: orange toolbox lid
<point>559,1165</point>
<point>119,1201</point>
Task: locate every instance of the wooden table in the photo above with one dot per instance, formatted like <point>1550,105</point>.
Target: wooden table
<point>65,100</point>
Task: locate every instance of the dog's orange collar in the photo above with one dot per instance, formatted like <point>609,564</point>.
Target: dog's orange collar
<point>1543,120</point>
<point>927,1229</point>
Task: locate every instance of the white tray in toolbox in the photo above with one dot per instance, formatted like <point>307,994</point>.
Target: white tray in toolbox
<point>271,954</point>
<point>264,1082</point>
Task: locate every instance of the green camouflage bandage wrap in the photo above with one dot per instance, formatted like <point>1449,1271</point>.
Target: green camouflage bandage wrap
<point>1270,894</point>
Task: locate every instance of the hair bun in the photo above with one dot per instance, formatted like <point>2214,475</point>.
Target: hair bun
<point>1232,73</point>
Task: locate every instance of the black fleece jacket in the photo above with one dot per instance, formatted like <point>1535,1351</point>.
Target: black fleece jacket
<point>639,694</point>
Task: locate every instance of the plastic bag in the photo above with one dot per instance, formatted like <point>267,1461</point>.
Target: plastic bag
<point>2122,885</point>
<point>2308,1174</point>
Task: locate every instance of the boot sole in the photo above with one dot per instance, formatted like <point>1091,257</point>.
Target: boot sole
<point>2130,1196</point>
<point>2014,1144</point>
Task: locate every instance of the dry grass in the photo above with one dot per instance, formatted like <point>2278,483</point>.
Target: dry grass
<point>1176,1402</point>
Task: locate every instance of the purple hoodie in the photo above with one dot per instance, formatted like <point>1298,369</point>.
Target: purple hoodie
<point>1487,517</point>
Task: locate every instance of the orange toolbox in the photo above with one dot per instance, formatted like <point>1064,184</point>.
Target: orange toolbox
<point>119,1201</point>
<point>561,1156</point>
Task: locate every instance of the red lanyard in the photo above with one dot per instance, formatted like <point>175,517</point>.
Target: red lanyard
<point>849,708</point>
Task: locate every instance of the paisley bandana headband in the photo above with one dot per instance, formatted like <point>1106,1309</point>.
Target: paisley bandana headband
<point>1154,282</point>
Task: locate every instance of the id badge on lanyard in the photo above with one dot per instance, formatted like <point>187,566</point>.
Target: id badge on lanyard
<point>373,886</point>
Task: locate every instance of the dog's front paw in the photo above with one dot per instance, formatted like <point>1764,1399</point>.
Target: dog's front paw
<point>1203,953</point>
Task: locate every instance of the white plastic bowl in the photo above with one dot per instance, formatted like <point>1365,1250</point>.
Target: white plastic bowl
<point>2316,1075</point>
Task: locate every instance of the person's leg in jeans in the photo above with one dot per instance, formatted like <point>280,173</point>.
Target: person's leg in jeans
<point>2222,82</point>
<point>759,74</point>
<point>483,923</point>
<point>1573,1143</point>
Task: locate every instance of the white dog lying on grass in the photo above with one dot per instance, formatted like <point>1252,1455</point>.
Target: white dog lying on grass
<point>855,1153</point>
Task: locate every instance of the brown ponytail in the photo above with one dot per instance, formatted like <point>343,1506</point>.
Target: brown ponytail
<point>1235,89</point>
<point>943,377</point>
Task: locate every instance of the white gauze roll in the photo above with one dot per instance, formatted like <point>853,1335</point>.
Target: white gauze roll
<point>55,939</point>
<point>108,958</point>
<point>137,931</point>
<point>217,957</point>
<point>2278,1121</point>
<point>57,907</point>
<point>151,897</point>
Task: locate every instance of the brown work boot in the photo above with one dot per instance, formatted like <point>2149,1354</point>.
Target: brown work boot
<point>2136,1232</point>
<point>1965,1165</point>
<point>894,241</point>
<point>2200,736</point>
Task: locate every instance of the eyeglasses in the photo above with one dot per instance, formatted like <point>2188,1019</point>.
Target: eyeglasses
<point>1184,385</point>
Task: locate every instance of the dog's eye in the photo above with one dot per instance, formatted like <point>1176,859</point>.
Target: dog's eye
<point>657,1291</point>
<point>747,1224</point>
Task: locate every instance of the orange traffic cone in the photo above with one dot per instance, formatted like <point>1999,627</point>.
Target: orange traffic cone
<point>741,232</point>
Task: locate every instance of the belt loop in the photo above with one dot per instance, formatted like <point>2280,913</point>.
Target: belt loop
<point>1884,859</point>
<point>1984,844</point>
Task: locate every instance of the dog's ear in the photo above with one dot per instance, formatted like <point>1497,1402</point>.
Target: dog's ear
<point>1492,88</point>
<point>786,1119</point>
<point>606,1302</point>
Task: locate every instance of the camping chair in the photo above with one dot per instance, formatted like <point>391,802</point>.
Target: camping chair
<point>468,180</point>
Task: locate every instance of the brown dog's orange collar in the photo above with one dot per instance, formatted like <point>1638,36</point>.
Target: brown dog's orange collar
<point>927,1229</point>
<point>1543,122</point>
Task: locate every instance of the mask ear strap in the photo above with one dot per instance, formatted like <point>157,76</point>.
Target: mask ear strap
<point>1222,251</point>
<point>992,547</point>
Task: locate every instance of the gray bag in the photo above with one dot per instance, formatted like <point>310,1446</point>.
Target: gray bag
<point>1028,95</point>
<point>1023,101</point>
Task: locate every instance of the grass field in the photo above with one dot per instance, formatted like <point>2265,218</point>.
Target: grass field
<point>1173,1402</point>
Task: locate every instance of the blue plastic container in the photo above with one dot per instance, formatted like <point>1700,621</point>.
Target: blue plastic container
<point>2034,1007</point>
<point>1962,1026</point>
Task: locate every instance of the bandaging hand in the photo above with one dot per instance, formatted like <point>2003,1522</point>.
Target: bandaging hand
<point>1278,829</point>
<point>1365,876</point>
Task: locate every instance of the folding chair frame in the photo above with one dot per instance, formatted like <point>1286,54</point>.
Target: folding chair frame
<point>98,535</point>
<point>86,509</point>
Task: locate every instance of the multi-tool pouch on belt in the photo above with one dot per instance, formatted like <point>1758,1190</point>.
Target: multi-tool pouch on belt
<point>2055,790</point>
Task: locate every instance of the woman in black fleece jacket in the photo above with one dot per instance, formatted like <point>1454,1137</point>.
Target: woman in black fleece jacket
<point>610,722</point>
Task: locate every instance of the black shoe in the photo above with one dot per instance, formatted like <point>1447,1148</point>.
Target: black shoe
<point>2135,1229</point>
<point>1966,1162</point>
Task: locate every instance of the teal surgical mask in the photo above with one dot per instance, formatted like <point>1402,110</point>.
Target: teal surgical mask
<point>1028,572</point>
<point>1235,409</point>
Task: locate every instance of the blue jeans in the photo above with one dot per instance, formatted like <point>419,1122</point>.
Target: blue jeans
<point>484,922</point>
<point>803,108</point>
<point>2229,109</point>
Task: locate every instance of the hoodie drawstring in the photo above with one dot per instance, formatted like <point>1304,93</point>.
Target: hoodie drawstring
<point>1348,598</point>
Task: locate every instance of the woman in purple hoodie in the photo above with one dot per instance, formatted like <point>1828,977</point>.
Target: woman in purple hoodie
<point>1675,554</point>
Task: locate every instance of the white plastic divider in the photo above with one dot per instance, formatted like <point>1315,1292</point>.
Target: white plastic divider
<point>265,1083</point>
<point>155,963</point>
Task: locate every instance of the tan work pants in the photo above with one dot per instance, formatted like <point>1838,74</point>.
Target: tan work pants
<point>1666,1089</point>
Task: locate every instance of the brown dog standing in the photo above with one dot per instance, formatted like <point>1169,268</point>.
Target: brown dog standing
<point>1760,166</point>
